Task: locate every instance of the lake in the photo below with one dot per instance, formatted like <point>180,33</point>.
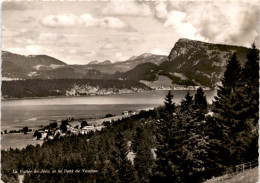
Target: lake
<point>34,112</point>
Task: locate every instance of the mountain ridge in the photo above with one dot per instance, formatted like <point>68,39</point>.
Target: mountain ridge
<point>189,63</point>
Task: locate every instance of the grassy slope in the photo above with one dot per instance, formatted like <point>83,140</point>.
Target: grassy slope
<point>248,176</point>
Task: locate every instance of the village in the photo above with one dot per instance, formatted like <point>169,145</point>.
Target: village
<point>77,90</point>
<point>59,128</point>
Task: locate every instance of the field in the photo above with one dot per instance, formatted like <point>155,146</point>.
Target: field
<point>18,140</point>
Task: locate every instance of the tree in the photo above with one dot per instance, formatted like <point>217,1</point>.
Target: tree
<point>37,134</point>
<point>118,158</point>
<point>25,129</point>
<point>200,103</point>
<point>143,159</point>
<point>233,130</point>
<point>250,83</point>
<point>232,73</point>
<point>169,104</point>
<point>187,102</point>
<point>249,97</point>
<point>191,147</point>
<point>164,168</point>
<point>83,124</point>
<point>53,125</point>
<point>63,126</point>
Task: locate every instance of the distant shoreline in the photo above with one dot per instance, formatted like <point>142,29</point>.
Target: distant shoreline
<point>70,96</point>
<point>48,97</point>
<point>62,96</point>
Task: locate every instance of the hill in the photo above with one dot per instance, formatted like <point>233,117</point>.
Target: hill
<point>46,67</point>
<point>145,71</point>
<point>20,66</point>
<point>111,68</point>
<point>189,63</point>
<point>201,63</point>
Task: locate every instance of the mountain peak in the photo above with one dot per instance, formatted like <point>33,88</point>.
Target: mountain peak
<point>145,55</point>
<point>184,40</point>
<point>93,62</point>
<point>106,62</point>
<point>133,57</point>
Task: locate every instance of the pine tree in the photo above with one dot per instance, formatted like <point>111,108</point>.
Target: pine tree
<point>227,109</point>
<point>143,160</point>
<point>169,104</point>
<point>249,96</point>
<point>194,147</point>
<point>164,168</point>
<point>200,103</point>
<point>187,102</point>
<point>232,74</point>
<point>250,84</point>
<point>139,137</point>
<point>123,166</point>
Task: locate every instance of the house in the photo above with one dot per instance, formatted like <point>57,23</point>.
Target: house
<point>125,113</point>
<point>44,135</point>
<point>132,113</point>
<point>210,113</point>
<point>87,129</point>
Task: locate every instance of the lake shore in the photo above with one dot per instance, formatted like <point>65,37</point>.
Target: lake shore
<point>72,96</point>
<point>33,112</point>
<point>21,140</point>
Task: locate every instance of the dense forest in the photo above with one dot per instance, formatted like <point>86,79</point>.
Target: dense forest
<point>184,143</point>
<point>58,87</point>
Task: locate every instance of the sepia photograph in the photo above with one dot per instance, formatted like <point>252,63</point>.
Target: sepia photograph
<point>130,91</point>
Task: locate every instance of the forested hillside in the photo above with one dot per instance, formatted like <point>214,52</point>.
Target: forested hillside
<point>182,144</point>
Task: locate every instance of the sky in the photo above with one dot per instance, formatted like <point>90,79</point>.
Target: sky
<point>80,32</point>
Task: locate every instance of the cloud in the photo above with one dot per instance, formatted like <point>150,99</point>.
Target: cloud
<point>108,46</point>
<point>28,50</point>
<point>25,33</point>
<point>90,53</point>
<point>229,22</point>
<point>57,40</point>
<point>134,40</point>
<point>176,20</point>
<point>47,36</point>
<point>61,20</point>
<point>119,57</point>
<point>85,20</point>
<point>111,22</point>
<point>160,10</point>
<point>158,51</point>
<point>130,8</point>
<point>8,5</point>
<point>20,5</point>
<point>28,20</point>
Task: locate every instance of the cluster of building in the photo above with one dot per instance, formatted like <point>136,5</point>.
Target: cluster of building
<point>71,129</point>
<point>96,90</point>
<point>178,88</point>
